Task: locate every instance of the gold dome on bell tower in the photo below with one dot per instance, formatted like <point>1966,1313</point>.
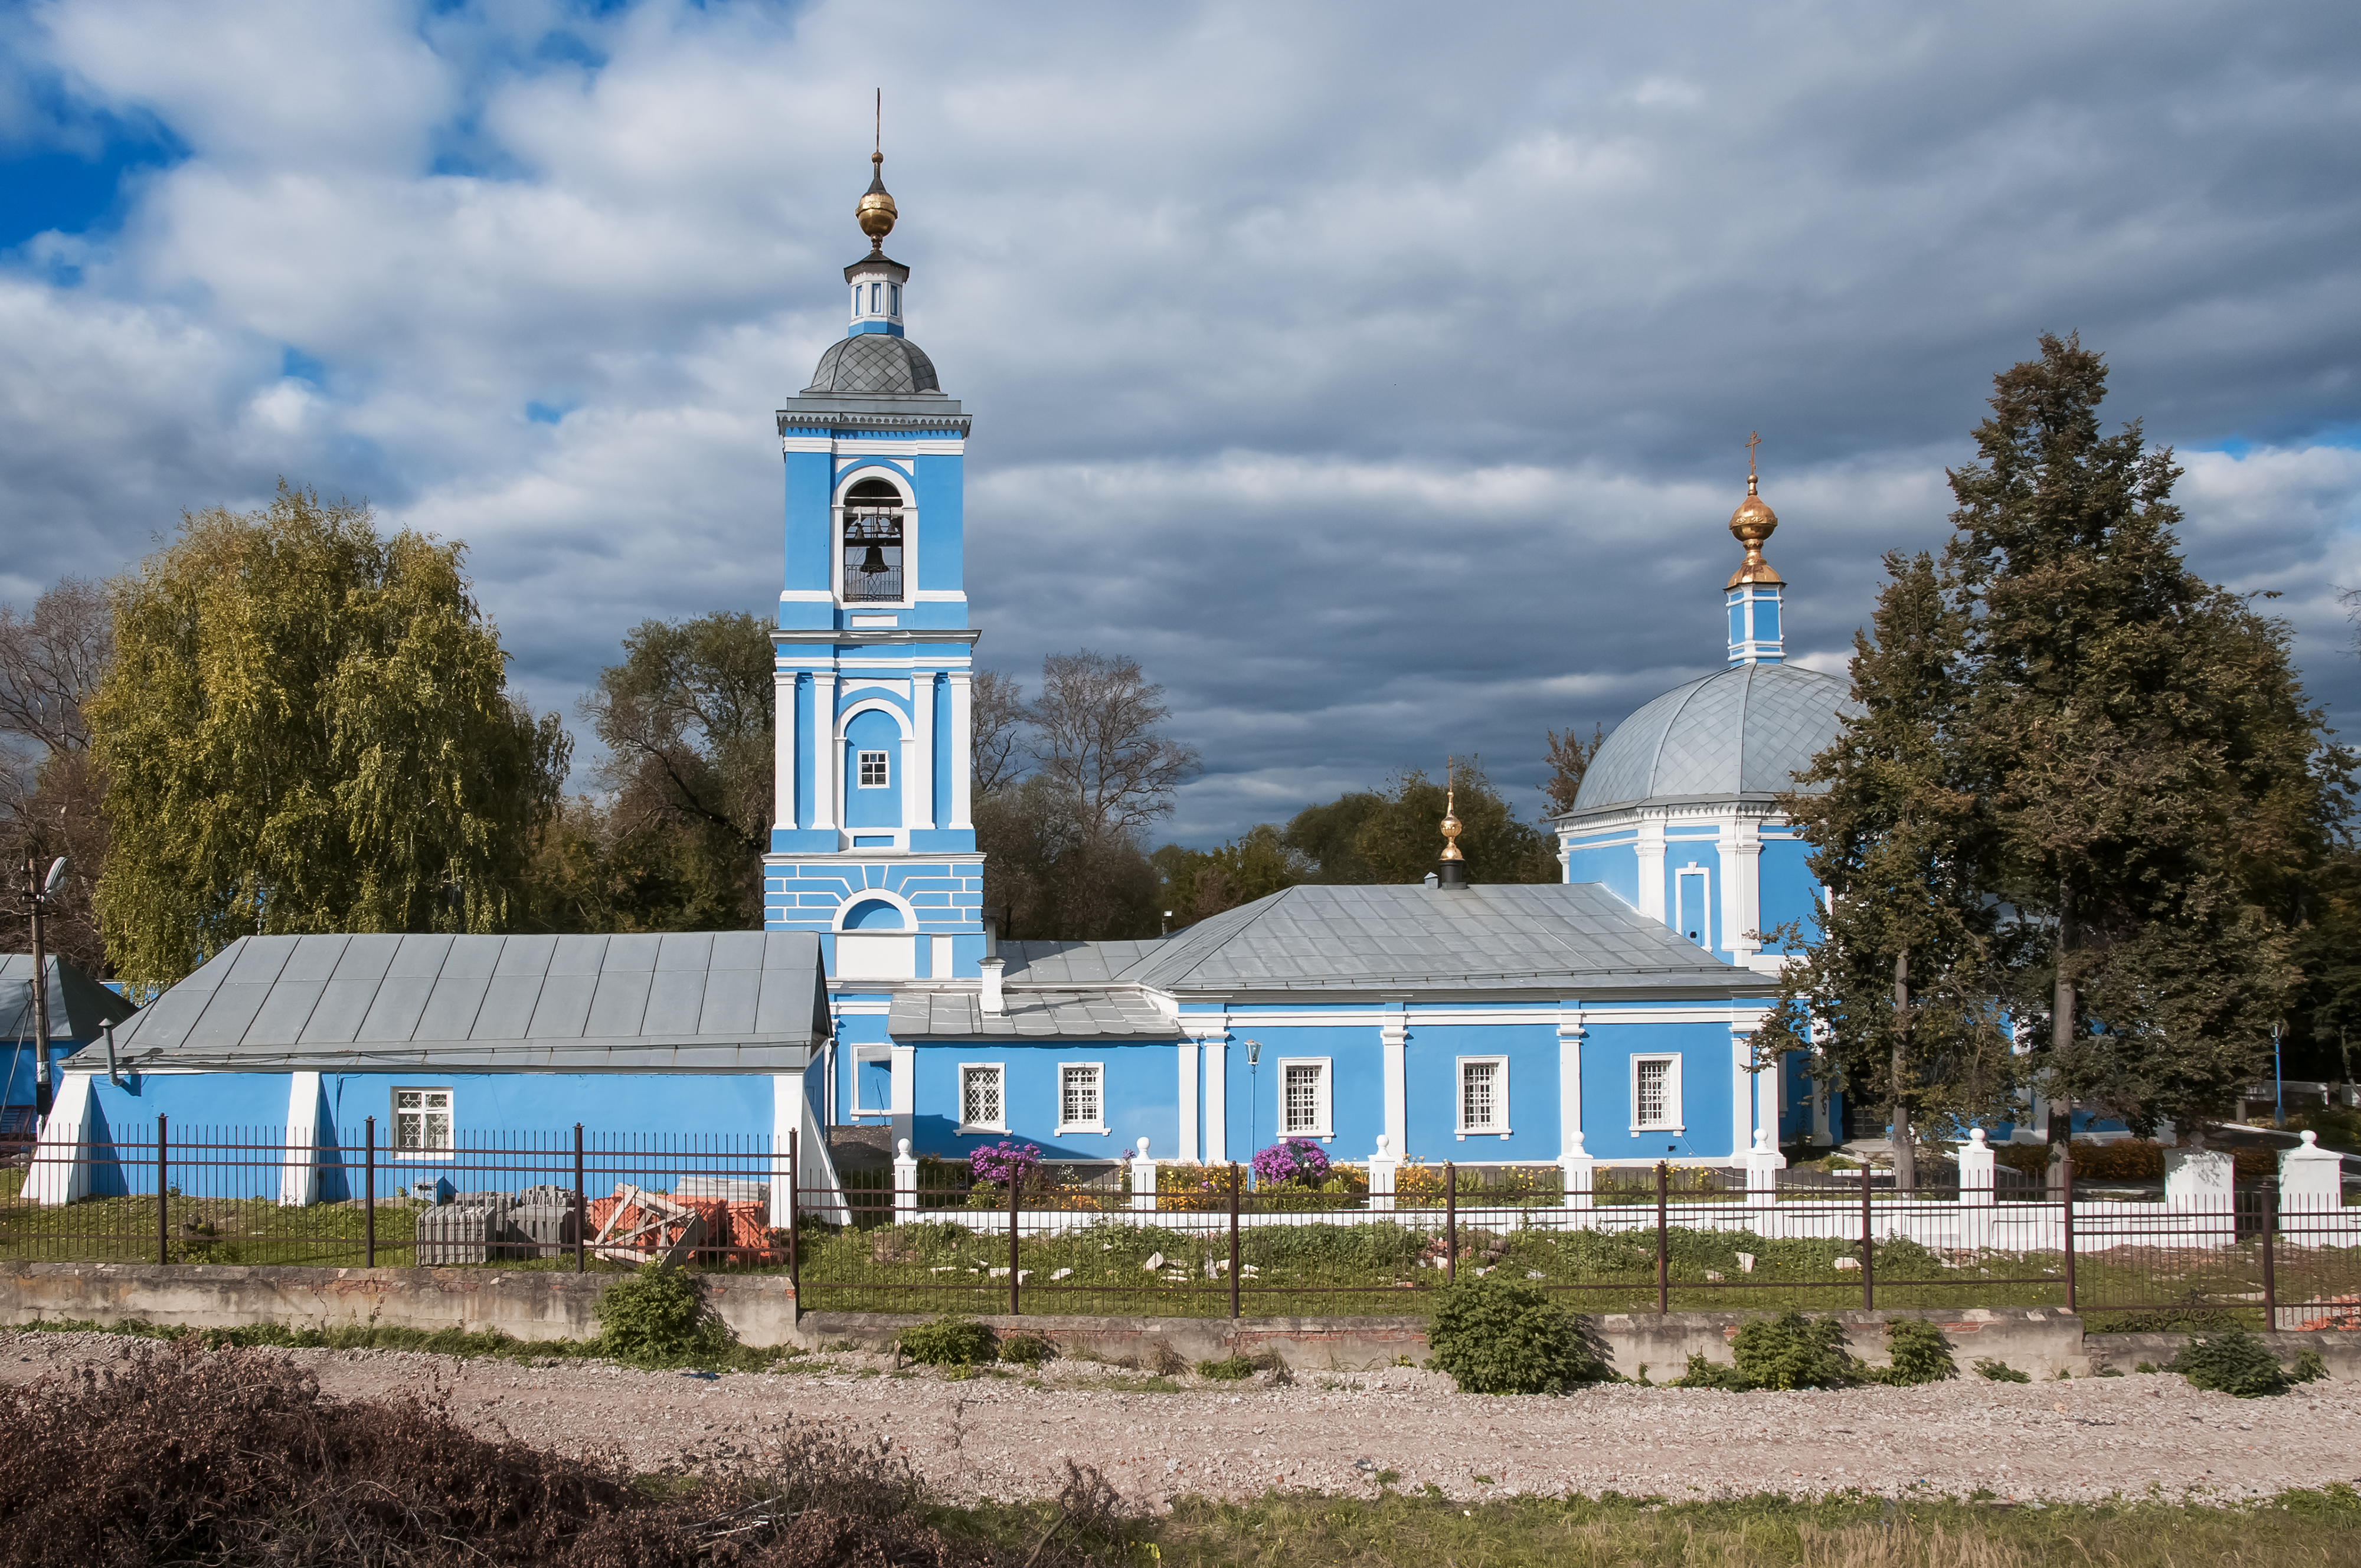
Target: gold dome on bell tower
<point>1751,524</point>
<point>875,215</point>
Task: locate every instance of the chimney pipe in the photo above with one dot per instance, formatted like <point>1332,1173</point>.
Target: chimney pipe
<point>993,1004</point>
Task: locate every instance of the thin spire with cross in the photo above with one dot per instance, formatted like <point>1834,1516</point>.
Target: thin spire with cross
<point>1752,441</point>
<point>880,148</point>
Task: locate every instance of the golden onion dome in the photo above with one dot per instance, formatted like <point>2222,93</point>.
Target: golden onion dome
<point>1751,524</point>
<point>1451,829</point>
<point>875,215</point>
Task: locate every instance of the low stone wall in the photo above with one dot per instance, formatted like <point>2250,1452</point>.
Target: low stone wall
<point>2340,1352</point>
<point>525,1304</point>
<point>2038,1342</point>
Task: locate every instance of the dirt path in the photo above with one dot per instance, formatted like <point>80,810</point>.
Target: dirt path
<point>989,1436</point>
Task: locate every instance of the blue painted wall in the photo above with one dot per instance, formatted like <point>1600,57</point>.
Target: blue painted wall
<point>1613,862</point>
<point>1706,1108</point>
<point>1141,1087</point>
<point>1788,891</point>
<point>1430,1073</point>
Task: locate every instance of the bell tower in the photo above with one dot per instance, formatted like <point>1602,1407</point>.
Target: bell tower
<point>871,843</point>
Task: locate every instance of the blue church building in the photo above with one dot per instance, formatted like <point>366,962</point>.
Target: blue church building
<point>1607,1015</point>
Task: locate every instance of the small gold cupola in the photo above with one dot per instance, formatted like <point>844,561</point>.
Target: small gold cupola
<point>1755,590</point>
<point>876,215</point>
<point>1453,871</point>
<point>1751,524</point>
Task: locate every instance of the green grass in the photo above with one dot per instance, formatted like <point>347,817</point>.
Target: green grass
<point>489,1345</point>
<point>2296,1530</point>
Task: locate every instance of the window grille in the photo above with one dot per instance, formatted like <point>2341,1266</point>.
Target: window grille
<point>422,1120</point>
<point>1652,1097</point>
<point>980,1097</point>
<point>1302,1100</point>
<point>1479,1087</point>
<point>1079,1104</point>
<point>873,770</point>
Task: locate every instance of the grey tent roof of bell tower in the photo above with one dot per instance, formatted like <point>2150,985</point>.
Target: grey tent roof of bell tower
<point>1744,730</point>
<point>873,363</point>
<point>691,1001</point>
<point>79,1005</point>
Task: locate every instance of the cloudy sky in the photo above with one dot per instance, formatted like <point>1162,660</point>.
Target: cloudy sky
<point>1377,374</point>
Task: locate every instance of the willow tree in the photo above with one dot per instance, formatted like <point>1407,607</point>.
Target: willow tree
<point>2160,791</point>
<point>306,727</point>
<point>1896,995</point>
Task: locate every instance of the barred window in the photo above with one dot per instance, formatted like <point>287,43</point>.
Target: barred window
<point>1304,1082</point>
<point>980,1097</point>
<point>873,770</point>
<point>422,1120</point>
<point>1655,1091</point>
<point>1080,1102</point>
<point>1482,1107</point>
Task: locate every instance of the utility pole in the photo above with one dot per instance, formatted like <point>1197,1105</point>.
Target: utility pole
<point>39,890</point>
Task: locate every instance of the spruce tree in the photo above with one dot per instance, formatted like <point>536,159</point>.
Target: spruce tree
<point>1895,998</point>
<point>2160,791</point>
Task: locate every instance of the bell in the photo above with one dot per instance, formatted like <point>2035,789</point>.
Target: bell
<point>874,564</point>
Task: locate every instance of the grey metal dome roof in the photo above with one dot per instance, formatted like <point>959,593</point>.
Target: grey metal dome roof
<point>1747,730</point>
<point>874,362</point>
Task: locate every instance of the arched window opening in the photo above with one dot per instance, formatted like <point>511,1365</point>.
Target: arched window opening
<point>873,541</point>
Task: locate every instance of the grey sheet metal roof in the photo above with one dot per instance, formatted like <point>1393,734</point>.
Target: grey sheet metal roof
<point>1747,730</point>
<point>1073,963</point>
<point>78,1005</point>
<point>874,362</point>
<point>691,1001</point>
<point>1115,1012</point>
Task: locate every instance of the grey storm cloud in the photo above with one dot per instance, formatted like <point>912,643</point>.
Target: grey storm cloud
<point>1375,373</point>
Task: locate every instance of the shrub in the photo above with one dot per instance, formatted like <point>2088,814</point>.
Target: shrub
<point>1291,1161</point>
<point>1025,1350</point>
<point>2308,1368</point>
<point>655,1318</point>
<point>1500,1336</point>
<point>1003,1162</point>
<point>2235,1362</point>
<point>1792,1351</point>
<point>1992,1371</point>
<point>1704,1373</point>
<point>1229,1370</point>
<point>1916,1353</point>
<point>947,1341</point>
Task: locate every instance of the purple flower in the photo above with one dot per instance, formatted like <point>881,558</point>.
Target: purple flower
<point>1003,1162</point>
<point>1290,1160</point>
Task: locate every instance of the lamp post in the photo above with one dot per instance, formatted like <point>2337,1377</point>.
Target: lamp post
<point>2279,1082</point>
<point>40,888</point>
<point>1254,1095</point>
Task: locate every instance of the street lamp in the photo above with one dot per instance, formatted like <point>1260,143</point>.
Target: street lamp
<point>1254,1095</point>
<point>41,889</point>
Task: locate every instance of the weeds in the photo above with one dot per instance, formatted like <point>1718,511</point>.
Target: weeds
<point>1498,1336</point>
<point>1916,1353</point>
<point>2236,1363</point>
<point>948,1342</point>
<point>656,1318</point>
<point>1992,1371</point>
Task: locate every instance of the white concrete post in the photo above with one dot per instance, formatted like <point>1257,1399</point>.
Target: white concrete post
<point>906,1183</point>
<point>2312,1179</point>
<point>299,1172</point>
<point>2201,1182</point>
<point>1577,1165</point>
<point>1763,1163</point>
<point>1977,1163</point>
<point>60,1168</point>
<point>1382,1166</point>
<point>1143,1182</point>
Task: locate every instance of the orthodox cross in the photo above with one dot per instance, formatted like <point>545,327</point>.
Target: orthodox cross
<point>1752,441</point>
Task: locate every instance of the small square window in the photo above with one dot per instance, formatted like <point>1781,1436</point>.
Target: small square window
<point>1484,1096</point>
<point>982,1107</point>
<point>1081,1101</point>
<point>422,1120</point>
<point>872,771</point>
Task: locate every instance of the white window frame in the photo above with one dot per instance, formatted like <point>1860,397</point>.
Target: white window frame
<point>1704,938</point>
<point>863,1054</point>
<point>1676,1121</point>
<point>1500,1124</point>
<point>966,1126</point>
<point>1098,1071</point>
<point>845,479</point>
<point>1327,1127</point>
<point>862,759</point>
<point>447,1154</point>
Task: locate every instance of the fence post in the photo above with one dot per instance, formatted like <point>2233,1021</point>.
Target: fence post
<point>1234,1239</point>
<point>1577,1172</point>
<point>1868,1246</point>
<point>1382,1167</point>
<point>1143,1182</point>
<point>1450,1223</point>
<point>1016,1185</point>
<point>368,1192</point>
<point>2270,1276</point>
<point>163,1219</point>
<point>1664,1244</point>
<point>795,1227</point>
<point>581,1209</point>
<point>906,1183</point>
<point>2066,1188</point>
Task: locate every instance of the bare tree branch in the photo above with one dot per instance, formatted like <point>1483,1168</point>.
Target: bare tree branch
<point>1095,737</point>
<point>997,723</point>
<point>51,659</point>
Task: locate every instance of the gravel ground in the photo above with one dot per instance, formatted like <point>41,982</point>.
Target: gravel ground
<point>989,1436</point>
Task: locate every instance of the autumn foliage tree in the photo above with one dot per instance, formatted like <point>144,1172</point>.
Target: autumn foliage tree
<point>307,727</point>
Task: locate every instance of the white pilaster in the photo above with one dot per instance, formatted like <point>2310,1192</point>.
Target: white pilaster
<point>783,749</point>
<point>1395,1036</point>
<point>1569,1079</point>
<point>1217,1100</point>
<point>299,1172</point>
<point>923,809</point>
<point>1650,849</point>
<point>962,748</point>
<point>902,1093</point>
<point>1189,1146</point>
<point>824,750</point>
<point>1771,1096</point>
<point>1742,1088</point>
<point>913,786</point>
<point>1741,848</point>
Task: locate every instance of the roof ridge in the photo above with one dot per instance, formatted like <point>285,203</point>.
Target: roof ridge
<point>1268,902</point>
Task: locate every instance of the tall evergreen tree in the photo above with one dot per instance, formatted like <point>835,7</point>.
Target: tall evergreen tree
<point>307,727</point>
<point>1896,997</point>
<point>2159,789</point>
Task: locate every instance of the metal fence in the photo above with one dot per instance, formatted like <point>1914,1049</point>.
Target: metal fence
<point>1175,1241</point>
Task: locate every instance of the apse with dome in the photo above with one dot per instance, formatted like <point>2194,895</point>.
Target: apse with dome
<point>1604,1018</point>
